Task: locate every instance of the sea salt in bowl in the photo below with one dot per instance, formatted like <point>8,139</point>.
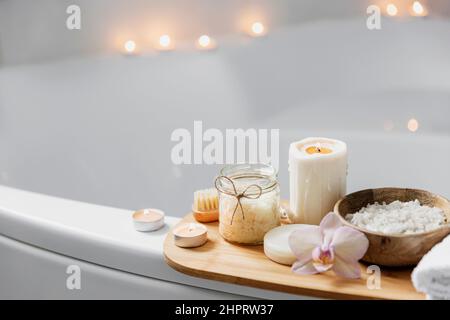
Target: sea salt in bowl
<point>396,249</point>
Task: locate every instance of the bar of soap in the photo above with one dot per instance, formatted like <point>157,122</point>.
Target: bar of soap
<point>276,245</point>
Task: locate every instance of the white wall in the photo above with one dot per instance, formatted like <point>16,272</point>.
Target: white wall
<point>98,129</point>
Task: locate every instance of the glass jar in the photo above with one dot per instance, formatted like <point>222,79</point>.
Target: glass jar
<point>249,202</point>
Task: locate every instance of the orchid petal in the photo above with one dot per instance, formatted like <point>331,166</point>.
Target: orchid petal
<point>316,253</point>
<point>303,240</point>
<point>304,268</point>
<point>350,270</point>
<point>328,225</point>
<point>322,267</point>
<point>349,244</point>
<point>323,258</point>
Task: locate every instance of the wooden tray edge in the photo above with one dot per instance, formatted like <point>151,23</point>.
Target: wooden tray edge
<point>214,276</point>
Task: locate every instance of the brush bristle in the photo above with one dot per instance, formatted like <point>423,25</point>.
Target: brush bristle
<point>206,200</point>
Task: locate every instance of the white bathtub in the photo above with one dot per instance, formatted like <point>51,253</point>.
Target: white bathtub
<point>97,130</point>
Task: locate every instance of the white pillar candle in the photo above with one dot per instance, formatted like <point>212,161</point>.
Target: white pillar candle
<point>318,178</point>
<point>276,244</point>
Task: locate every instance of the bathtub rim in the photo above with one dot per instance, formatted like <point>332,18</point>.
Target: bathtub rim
<point>71,228</point>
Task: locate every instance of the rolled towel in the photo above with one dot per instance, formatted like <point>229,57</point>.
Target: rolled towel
<point>432,274</point>
<point>435,298</point>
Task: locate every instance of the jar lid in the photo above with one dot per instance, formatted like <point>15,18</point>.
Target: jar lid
<point>252,179</point>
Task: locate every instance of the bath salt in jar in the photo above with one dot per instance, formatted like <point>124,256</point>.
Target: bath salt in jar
<point>249,202</point>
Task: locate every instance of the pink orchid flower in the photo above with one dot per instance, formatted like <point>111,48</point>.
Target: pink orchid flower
<point>328,246</point>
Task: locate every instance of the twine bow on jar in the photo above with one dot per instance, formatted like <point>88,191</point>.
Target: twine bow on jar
<point>238,195</point>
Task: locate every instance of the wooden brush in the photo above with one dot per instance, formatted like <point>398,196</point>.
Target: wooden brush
<point>206,205</point>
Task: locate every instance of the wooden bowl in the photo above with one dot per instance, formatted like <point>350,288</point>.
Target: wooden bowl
<point>397,249</point>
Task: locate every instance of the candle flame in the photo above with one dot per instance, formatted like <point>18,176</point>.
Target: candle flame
<point>319,147</point>
<point>391,9</point>
<point>204,41</point>
<point>165,41</point>
<point>130,46</point>
<point>413,125</point>
<point>257,29</point>
<point>418,8</point>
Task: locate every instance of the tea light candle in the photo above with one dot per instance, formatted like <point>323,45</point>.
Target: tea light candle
<point>318,178</point>
<point>418,10</point>
<point>276,244</point>
<point>257,29</point>
<point>205,42</point>
<point>165,43</point>
<point>391,10</point>
<point>148,219</point>
<point>190,235</point>
<point>129,47</point>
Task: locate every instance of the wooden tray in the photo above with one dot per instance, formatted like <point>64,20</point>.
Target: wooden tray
<point>247,265</point>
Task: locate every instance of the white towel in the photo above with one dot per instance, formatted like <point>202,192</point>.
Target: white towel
<point>436,298</point>
<point>432,274</point>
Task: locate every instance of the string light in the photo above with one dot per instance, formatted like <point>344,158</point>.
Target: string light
<point>391,10</point>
